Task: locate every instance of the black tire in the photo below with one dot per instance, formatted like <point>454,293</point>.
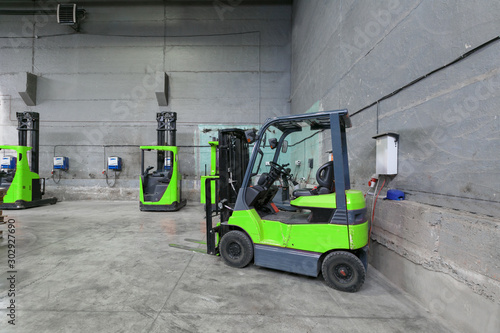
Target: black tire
<point>343,271</point>
<point>236,249</point>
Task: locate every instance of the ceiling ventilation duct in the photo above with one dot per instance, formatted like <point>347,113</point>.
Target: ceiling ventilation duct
<point>66,14</point>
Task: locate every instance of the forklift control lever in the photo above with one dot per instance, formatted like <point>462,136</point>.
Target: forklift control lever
<point>223,205</point>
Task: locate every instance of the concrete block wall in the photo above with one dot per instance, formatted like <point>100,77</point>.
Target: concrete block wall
<point>228,65</point>
<point>444,237</point>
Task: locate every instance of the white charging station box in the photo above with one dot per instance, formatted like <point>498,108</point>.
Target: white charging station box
<point>115,163</point>
<point>61,162</point>
<point>8,162</point>
<point>387,153</point>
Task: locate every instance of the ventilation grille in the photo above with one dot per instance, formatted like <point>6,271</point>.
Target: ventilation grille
<point>66,14</point>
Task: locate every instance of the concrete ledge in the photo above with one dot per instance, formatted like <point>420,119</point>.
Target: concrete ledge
<point>96,189</point>
<point>460,244</point>
<point>447,259</point>
<point>72,193</point>
<point>438,292</point>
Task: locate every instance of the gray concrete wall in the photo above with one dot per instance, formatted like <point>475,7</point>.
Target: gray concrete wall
<point>349,54</point>
<point>228,65</point>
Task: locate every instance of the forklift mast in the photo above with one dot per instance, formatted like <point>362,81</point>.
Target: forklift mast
<point>233,158</point>
<point>29,123</point>
<point>166,132</point>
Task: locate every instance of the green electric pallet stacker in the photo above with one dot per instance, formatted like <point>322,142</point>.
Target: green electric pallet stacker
<point>161,189</point>
<point>329,231</point>
<point>24,186</point>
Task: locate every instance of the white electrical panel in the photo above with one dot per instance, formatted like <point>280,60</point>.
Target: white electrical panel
<point>387,153</point>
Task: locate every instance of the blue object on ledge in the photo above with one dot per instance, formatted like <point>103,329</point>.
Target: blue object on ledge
<point>395,195</point>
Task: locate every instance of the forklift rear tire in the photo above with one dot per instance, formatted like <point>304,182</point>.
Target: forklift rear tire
<point>343,271</point>
<point>236,249</point>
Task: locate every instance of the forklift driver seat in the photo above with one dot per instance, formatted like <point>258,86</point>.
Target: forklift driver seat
<point>325,179</point>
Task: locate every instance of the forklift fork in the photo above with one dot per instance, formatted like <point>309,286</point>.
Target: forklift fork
<point>209,213</point>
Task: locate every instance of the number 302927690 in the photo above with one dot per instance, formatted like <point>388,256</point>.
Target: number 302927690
<point>11,244</point>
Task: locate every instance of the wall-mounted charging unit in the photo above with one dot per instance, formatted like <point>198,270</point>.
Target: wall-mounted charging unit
<point>8,163</point>
<point>115,163</point>
<point>61,163</point>
<point>387,153</point>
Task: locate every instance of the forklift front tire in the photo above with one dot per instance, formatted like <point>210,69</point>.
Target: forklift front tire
<point>236,249</point>
<point>343,271</point>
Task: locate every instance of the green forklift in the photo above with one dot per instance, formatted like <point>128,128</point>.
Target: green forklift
<point>160,188</point>
<point>18,175</point>
<point>328,231</point>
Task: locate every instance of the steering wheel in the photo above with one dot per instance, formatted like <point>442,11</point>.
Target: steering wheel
<point>280,169</point>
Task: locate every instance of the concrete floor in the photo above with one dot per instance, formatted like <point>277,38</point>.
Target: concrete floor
<point>104,266</point>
